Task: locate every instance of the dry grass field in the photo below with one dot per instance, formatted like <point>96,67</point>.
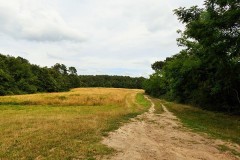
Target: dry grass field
<point>67,125</point>
<point>76,97</point>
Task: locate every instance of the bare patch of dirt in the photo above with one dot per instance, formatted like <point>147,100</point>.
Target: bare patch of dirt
<point>162,137</point>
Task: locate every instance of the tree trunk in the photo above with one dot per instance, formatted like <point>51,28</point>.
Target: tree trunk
<point>237,95</point>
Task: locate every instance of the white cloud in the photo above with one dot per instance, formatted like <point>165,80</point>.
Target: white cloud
<point>120,36</point>
<point>35,20</point>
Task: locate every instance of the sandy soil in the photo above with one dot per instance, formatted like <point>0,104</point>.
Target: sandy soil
<point>163,137</point>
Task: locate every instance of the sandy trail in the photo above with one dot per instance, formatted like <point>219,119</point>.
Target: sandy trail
<point>162,137</point>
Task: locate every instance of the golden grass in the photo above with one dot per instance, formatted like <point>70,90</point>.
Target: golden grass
<point>45,126</point>
<point>76,97</point>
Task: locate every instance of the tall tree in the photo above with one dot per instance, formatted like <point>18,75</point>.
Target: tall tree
<point>213,35</point>
<point>207,71</point>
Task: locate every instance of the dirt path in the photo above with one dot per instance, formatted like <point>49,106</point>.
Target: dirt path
<point>162,137</point>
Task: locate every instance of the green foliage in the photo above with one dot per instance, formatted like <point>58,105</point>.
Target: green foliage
<point>155,85</point>
<point>111,81</point>
<point>18,76</point>
<point>205,73</point>
<point>157,66</point>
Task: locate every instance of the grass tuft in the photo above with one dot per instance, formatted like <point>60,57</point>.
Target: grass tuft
<point>158,105</point>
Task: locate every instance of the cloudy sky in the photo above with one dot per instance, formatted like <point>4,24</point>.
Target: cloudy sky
<point>115,37</point>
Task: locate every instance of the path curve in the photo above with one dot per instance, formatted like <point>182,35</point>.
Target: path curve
<point>161,137</point>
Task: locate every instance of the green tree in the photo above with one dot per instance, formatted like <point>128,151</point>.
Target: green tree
<point>158,65</point>
<point>212,35</point>
<point>61,68</point>
<point>206,72</point>
<point>72,70</point>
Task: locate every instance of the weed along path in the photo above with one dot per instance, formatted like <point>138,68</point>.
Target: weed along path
<point>153,136</point>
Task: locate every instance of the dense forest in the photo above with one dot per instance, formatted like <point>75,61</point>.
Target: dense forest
<point>18,76</point>
<point>206,72</point>
<point>111,81</point>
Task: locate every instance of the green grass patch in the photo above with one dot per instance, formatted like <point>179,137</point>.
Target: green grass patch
<point>217,125</point>
<point>141,100</point>
<point>158,105</point>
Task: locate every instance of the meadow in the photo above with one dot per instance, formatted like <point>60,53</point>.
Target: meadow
<point>67,125</point>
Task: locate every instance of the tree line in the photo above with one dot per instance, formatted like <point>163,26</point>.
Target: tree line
<point>111,81</point>
<point>206,72</point>
<point>18,76</point>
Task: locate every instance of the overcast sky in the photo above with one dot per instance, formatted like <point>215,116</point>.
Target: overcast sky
<point>115,37</point>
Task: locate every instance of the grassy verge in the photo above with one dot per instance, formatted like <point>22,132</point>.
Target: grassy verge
<point>141,100</point>
<point>63,131</point>
<point>217,125</point>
